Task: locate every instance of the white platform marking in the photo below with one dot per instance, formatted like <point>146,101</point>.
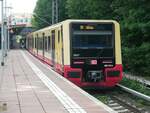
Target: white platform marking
<point>70,105</point>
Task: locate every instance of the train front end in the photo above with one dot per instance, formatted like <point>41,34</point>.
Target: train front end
<point>95,54</point>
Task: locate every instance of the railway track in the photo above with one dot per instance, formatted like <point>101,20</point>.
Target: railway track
<point>122,106</point>
<point>117,99</point>
<point>133,92</point>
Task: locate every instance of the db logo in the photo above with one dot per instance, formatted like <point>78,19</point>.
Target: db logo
<point>93,62</point>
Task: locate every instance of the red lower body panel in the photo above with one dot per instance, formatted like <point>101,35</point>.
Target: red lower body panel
<point>108,82</point>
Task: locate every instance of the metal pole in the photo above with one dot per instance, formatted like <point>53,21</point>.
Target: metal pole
<point>8,26</point>
<point>5,28</point>
<point>5,37</point>
<point>53,18</point>
<point>8,38</point>
<point>54,11</point>
<point>2,35</point>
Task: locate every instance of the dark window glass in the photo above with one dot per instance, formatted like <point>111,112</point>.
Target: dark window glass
<point>32,42</point>
<point>92,39</point>
<point>35,42</point>
<point>41,43</point>
<point>49,43</point>
<point>45,43</point>
<point>58,36</point>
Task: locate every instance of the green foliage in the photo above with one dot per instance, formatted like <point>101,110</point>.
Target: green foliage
<point>135,86</point>
<point>89,9</point>
<point>62,10</point>
<point>133,16</point>
<point>137,59</point>
<point>42,14</point>
<point>103,98</point>
<point>135,25</point>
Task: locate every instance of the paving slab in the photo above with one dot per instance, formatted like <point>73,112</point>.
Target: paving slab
<point>22,91</point>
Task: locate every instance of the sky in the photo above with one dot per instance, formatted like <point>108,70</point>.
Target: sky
<point>20,6</point>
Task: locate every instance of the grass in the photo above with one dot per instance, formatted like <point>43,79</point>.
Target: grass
<point>135,85</point>
<point>103,98</point>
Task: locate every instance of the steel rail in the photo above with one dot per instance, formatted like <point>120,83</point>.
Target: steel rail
<point>138,94</point>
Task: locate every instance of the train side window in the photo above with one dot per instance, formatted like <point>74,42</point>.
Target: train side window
<point>58,36</point>
<point>49,43</point>
<point>32,42</point>
<point>35,42</point>
<point>45,43</point>
<point>41,43</point>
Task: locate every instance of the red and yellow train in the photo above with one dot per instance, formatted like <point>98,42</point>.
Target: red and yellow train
<point>87,52</point>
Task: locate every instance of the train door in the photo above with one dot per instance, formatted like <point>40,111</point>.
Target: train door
<point>58,51</point>
<point>62,48</point>
<point>53,47</point>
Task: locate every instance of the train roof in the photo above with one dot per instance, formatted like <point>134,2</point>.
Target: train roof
<point>72,20</point>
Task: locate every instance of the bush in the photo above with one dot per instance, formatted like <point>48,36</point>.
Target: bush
<point>137,59</point>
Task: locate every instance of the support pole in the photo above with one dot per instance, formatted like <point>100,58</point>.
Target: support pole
<point>5,29</point>
<point>8,26</point>
<point>2,35</point>
<point>8,38</point>
<point>56,15</point>
<point>5,37</point>
<point>54,11</point>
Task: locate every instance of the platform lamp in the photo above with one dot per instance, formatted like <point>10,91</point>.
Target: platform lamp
<point>2,34</point>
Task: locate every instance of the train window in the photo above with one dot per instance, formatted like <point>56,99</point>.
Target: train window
<point>58,36</point>
<point>49,43</point>
<point>32,42</point>
<point>92,39</point>
<point>61,33</point>
<point>35,42</point>
<point>40,43</point>
<point>45,43</point>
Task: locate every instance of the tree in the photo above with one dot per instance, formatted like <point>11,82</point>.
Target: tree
<point>43,13</point>
<point>89,9</point>
<point>135,23</point>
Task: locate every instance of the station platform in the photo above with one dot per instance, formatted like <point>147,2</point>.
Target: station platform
<point>29,86</point>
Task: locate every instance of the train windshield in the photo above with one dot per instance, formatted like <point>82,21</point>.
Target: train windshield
<point>92,39</point>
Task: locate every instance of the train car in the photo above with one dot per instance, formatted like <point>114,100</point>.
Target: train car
<point>86,52</point>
